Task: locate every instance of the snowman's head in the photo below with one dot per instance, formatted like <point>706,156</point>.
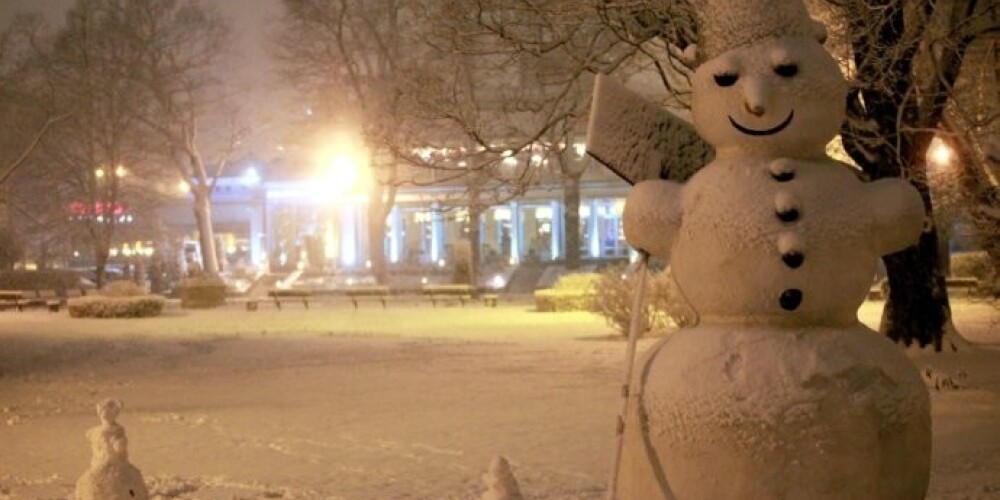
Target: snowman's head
<point>764,83</point>
<point>780,96</point>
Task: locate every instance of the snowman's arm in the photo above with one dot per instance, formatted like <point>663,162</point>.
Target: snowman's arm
<point>652,216</point>
<point>898,214</point>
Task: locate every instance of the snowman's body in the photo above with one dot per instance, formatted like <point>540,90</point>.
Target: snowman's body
<point>779,392</point>
<point>111,476</point>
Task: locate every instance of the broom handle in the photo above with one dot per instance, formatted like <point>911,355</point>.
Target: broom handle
<point>635,323</point>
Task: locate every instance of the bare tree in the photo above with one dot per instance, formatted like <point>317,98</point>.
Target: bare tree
<point>23,124</point>
<point>182,46</point>
<point>351,61</point>
<point>905,59</point>
<point>88,161</point>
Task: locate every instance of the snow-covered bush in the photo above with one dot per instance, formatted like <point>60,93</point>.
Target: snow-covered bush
<point>100,306</point>
<point>119,299</point>
<point>571,292</point>
<point>669,302</point>
<point>202,292</point>
<point>663,304</point>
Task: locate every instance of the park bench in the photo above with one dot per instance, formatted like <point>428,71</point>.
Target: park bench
<point>378,292</point>
<point>436,293</point>
<point>279,295</point>
<point>49,299</point>
<point>967,284</point>
<point>12,299</point>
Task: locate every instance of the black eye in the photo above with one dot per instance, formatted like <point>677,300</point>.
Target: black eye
<point>726,79</point>
<point>786,70</point>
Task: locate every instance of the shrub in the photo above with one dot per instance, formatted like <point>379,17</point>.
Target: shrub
<point>102,306</point>
<point>668,300</point>
<point>202,292</point>
<point>123,288</point>
<point>663,304</point>
<point>974,264</point>
<point>571,292</point>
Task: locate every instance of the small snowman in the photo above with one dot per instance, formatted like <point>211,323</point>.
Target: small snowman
<point>111,476</point>
<point>779,391</point>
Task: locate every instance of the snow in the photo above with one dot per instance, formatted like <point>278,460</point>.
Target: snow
<point>638,139</point>
<point>412,402</point>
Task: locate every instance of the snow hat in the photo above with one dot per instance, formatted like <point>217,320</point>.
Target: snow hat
<point>724,25</point>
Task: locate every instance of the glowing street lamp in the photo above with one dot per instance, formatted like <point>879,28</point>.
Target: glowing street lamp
<point>99,173</point>
<point>120,171</point>
<point>343,167</point>
<point>939,153</point>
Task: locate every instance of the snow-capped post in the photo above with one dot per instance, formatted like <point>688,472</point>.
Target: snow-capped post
<point>111,476</point>
<point>500,482</point>
<point>779,391</point>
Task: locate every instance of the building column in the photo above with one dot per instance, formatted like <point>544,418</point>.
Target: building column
<point>437,234</point>
<point>348,237</point>
<point>395,234</point>
<point>516,237</point>
<point>256,236</point>
<point>556,233</point>
<point>595,230</point>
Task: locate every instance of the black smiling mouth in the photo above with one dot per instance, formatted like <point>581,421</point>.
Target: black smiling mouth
<point>778,128</point>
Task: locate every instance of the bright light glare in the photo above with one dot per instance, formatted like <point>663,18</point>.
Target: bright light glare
<point>120,171</point>
<point>251,177</point>
<point>497,282</point>
<point>99,173</point>
<point>940,153</point>
<point>183,187</point>
<point>342,161</point>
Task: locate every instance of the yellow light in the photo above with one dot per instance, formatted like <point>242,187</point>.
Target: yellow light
<point>120,171</point>
<point>342,161</point>
<point>183,187</point>
<point>940,153</point>
<point>99,173</point>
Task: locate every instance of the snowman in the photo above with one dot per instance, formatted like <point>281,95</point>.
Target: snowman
<point>779,392</point>
<point>111,476</point>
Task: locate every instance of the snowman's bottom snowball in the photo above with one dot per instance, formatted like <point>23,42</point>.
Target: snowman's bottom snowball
<point>752,412</point>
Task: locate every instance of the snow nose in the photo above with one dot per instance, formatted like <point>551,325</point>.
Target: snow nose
<point>754,109</point>
<point>755,96</point>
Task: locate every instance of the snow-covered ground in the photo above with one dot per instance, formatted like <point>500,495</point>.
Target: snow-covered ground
<point>410,402</point>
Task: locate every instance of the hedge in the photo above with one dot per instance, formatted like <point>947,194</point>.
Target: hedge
<point>99,306</point>
<point>202,292</point>
<point>571,292</point>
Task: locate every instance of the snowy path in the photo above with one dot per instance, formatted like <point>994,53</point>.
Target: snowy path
<point>408,403</point>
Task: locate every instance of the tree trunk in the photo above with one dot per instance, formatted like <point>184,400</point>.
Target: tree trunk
<point>100,264</point>
<point>917,308</point>
<point>206,234</point>
<point>475,237</point>
<point>571,219</point>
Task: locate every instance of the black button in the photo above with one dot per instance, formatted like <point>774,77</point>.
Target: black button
<point>790,215</point>
<point>793,259</point>
<point>783,176</point>
<point>790,299</point>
